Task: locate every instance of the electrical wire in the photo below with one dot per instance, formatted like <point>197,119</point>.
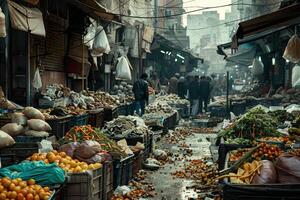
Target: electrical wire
<point>225,23</point>
<point>192,11</point>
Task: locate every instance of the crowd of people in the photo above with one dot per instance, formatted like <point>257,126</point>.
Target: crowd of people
<point>199,90</point>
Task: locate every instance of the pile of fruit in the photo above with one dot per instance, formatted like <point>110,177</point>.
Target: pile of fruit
<point>19,190</point>
<point>284,139</point>
<point>178,135</point>
<point>237,154</point>
<point>266,151</point>
<point>65,162</point>
<point>199,170</point>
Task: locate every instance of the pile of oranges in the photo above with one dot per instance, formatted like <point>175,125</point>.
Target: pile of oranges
<point>64,161</point>
<point>22,190</point>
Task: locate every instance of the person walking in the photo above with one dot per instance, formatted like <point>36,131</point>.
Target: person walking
<point>173,84</point>
<point>204,90</point>
<point>141,94</point>
<point>155,83</point>
<point>194,95</point>
<point>182,87</point>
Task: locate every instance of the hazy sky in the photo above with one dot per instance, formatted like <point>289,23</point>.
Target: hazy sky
<point>197,4</point>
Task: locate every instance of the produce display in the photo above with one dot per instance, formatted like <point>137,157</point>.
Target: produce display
<point>126,127</point>
<point>238,141</point>
<point>199,170</point>
<point>83,133</point>
<point>178,135</point>
<point>18,189</point>
<point>30,122</point>
<point>65,162</point>
<point>159,108</point>
<point>263,152</point>
<point>284,139</point>
<point>281,115</point>
<point>245,174</point>
<point>172,99</point>
<point>123,92</point>
<point>254,124</point>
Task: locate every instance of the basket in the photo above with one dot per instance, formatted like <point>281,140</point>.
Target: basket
<point>22,139</point>
<point>59,126</point>
<point>84,186</point>
<point>96,118</point>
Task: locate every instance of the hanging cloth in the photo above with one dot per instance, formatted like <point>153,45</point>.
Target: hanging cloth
<point>26,19</point>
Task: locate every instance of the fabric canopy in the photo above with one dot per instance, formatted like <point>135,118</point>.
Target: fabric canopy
<point>26,19</point>
<point>243,57</point>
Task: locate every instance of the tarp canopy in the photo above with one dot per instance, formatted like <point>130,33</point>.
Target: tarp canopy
<point>243,57</point>
<point>282,18</point>
<point>26,19</point>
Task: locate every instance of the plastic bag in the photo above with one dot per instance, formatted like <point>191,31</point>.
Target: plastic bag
<point>43,174</point>
<point>5,140</point>
<point>267,174</point>
<point>296,76</point>
<point>100,44</point>
<point>292,50</point>
<point>37,81</point>
<point>90,36</point>
<point>288,169</point>
<point>87,149</point>
<point>123,69</point>
<point>2,24</point>
<point>69,148</point>
<point>36,133</point>
<point>258,67</point>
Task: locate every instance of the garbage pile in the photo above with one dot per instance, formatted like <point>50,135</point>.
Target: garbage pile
<point>126,127</point>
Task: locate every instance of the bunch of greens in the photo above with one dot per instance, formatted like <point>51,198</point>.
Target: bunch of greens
<point>254,124</point>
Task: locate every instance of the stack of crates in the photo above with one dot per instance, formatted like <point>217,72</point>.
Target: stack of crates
<point>84,186</point>
<point>108,178</point>
<point>122,171</point>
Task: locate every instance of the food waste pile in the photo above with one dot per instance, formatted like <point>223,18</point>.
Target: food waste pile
<point>185,169</point>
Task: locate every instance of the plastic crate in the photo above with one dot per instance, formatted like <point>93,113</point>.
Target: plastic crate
<point>59,126</point>
<point>110,114</point>
<point>137,163</point>
<point>122,171</point>
<point>123,110</point>
<point>4,120</point>
<point>84,186</point>
<point>17,153</point>
<point>78,120</point>
<point>96,118</point>
<point>22,139</point>
<point>108,178</point>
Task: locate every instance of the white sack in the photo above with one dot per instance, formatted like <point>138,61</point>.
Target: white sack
<point>6,140</point>
<point>2,24</point>
<point>100,44</point>
<point>123,70</point>
<point>13,129</point>
<point>39,125</point>
<point>37,80</point>
<point>258,67</point>
<point>296,76</point>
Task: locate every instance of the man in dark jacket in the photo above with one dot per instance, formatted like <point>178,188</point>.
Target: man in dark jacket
<point>141,94</point>
<point>182,87</point>
<point>194,95</point>
<point>204,90</point>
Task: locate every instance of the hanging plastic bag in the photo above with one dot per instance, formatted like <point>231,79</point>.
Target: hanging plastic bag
<point>2,24</point>
<point>37,81</point>
<point>258,67</point>
<point>90,35</point>
<point>123,69</point>
<point>292,50</point>
<point>101,44</point>
<point>296,76</point>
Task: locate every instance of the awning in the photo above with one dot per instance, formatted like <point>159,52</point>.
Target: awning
<point>160,40</point>
<point>279,19</point>
<point>26,19</point>
<point>243,57</point>
<point>95,10</point>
